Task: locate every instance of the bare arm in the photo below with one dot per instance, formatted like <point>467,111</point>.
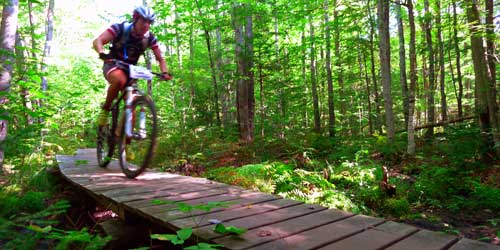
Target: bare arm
<point>101,40</point>
<point>159,58</point>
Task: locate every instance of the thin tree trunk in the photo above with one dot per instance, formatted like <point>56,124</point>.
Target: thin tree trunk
<point>490,43</point>
<point>331,106</point>
<point>378,115</point>
<point>8,29</point>
<point>314,87</point>
<point>368,93</point>
<point>413,82</point>
<point>402,63</point>
<point>278,64</point>
<point>385,64</point>
<point>430,91</point>
<point>444,105</point>
<point>212,65</point>
<point>34,44</point>
<point>458,60</point>
<point>224,99</point>
<point>249,75</point>
<point>338,64</point>
<point>49,33</point>
<point>303,63</point>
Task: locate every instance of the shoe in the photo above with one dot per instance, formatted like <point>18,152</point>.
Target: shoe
<point>130,156</point>
<point>102,118</point>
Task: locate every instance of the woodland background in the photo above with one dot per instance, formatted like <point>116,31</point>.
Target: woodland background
<point>387,108</point>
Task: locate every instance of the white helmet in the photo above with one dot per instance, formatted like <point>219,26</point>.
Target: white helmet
<point>144,12</point>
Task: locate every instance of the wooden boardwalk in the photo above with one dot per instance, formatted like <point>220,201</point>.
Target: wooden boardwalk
<point>273,223</point>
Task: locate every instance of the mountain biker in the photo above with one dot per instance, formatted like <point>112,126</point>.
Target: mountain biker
<point>128,41</point>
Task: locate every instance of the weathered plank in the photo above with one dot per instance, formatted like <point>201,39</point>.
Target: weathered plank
<point>425,239</point>
<point>287,228</point>
<point>273,204</point>
<point>238,213</point>
<point>346,225</point>
<point>468,244</point>
<point>374,238</point>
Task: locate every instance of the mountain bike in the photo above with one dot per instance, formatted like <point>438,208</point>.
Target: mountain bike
<point>133,130</point>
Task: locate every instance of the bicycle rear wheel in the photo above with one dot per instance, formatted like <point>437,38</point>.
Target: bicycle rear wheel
<point>106,140</point>
<point>137,151</point>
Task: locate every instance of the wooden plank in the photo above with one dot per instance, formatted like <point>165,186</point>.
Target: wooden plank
<point>425,239</point>
<point>287,228</point>
<point>246,201</point>
<point>345,226</point>
<point>179,195</point>
<point>248,220</point>
<point>468,244</point>
<point>175,197</point>
<point>229,198</point>
<point>374,238</point>
<point>238,213</point>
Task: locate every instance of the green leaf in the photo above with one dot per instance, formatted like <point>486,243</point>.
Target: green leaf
<point>81,162</point>
<point>177,241</point>
<point>204,246</point>
<point>166,237</point>
<point>220,228</point>
<point>38,229</point>
<point>184,233</point>
<point>160,202</point>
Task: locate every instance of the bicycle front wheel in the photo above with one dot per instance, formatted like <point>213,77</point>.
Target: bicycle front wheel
<point>137,149</point>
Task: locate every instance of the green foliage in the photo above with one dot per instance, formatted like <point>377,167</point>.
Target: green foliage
<point>397,207</point>
<point>177,239</point>
<point>222,229</point>
<point>27,230</point>
<point>204,246</point>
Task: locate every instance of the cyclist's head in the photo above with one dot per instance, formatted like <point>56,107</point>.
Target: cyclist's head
<point>143,12</point>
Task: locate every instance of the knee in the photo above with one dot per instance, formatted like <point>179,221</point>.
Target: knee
<point>117,78</point>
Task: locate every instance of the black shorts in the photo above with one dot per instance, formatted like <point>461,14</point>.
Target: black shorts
<point>107,68</point>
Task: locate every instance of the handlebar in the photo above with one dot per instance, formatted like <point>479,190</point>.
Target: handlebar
<point>106,58</point>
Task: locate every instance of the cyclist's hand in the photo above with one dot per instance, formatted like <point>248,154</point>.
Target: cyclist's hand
<point>104,56</point>
<point>166,76</point>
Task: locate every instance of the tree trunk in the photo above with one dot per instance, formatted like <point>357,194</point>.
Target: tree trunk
<point>413,82</point>
<point>249,75</point>
<point>490,43</point>
<point>485,94</point>
<point>8,29</point>
<point>244,53</point>
<point>402,64</point>
<point>331,106</point>
<point>385,64</point>
<point>49,33</point>
<point>314,87</point>
<point>278,67</point>
<point>444,105</point>
<point>458,60</point>
<point>378,115</point>
<point>303,63</point>
<point>430,92</point>
<point>338,64</point>
<point>368,93</point>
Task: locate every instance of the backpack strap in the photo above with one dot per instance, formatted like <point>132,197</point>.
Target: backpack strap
<point>125,37</point>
